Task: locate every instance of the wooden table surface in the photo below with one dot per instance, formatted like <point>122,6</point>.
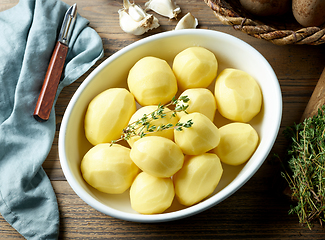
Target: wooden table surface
<point>259,210</point>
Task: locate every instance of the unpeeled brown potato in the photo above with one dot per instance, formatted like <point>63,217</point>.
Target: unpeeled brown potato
<point>238,141</point>
<point>309,13</point>
<point>201,100</point>
<point>201,137</point>
<point>150,195</point>
<point>109,168</point>
<point>152,81</point>
<point>168,133</point>
<point>198,178</point>
<point>239,97</point>
<point>195,67</point>
<point>266,7</point>
<point>157,156</point>
<point>107,114</point>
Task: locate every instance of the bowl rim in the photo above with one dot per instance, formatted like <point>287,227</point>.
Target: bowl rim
<point>226,192</point>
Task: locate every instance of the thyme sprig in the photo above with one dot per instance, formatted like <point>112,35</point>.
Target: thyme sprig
<point>305,169</point>
<point>144,125</point>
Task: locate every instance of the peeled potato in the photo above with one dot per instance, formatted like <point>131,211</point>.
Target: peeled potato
<point>108,168</point>
<point>201,100</point>
<point>238,141</point>
<point>198,178</point>
<point>239,97</point>
<point>150,195</point>
<point>169,133</point>
<point>107,114</point>
<point>201,137</point>
<point>157,156</point>
<point>152,81</point>
<point>195,67</point>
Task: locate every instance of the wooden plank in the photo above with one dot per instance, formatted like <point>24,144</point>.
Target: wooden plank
<point>258,210</point>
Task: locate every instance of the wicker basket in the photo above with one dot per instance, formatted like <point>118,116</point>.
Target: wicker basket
<point>280,30</point>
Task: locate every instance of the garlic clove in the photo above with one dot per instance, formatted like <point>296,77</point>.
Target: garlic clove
<point>133,19</point>
<point>166,8</point>
<point>137,13</point>
<point>188,21</point>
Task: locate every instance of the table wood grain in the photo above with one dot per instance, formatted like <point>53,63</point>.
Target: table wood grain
<point>259,210</point>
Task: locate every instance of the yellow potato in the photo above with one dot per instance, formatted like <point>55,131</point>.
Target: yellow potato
<point>201,100</point>
<point>150,195</point>
<point>239,97</point>
<point>201,137</point>
<point>108,168</point>
<point>152,81</point>
<point>158,122</point>
<point>157,156</point>
<point>198,178</point>
<point>107,114</point>
<point>238,141</point>
<point>195,67</point>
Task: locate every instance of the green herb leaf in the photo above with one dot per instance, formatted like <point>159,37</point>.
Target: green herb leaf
<point>144,125</point>
<point>305,168</point>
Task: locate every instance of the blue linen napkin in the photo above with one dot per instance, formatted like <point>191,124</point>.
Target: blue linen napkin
<point>28,33</point>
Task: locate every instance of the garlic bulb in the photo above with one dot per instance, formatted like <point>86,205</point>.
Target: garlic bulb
<point>188,21</point>
<point>166,8</point>
<point>134,20</point>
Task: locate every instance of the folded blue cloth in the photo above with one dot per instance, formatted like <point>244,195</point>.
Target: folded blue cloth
<point>28,33</point>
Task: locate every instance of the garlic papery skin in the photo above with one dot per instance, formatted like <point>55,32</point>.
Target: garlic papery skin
<point>166,8</point>
<point>137,13</point>
<point>133,19</point>
<point>188,21</point>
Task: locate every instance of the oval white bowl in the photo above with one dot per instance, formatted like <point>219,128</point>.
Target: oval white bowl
<point>230,52</point>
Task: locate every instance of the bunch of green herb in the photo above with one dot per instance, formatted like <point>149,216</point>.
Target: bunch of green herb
<point>144,125</point>
<point>305,169</point>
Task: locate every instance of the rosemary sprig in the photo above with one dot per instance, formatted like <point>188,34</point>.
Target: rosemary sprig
<point>305,169</point>
<point>144,125</point>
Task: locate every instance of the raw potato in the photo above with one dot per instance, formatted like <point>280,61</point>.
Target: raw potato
<point>201,137</point>
<point>157,156</point>
<point>108,168</point>
<point>152,81</point>
<point>238,141</point>
<point>107,114</point>
<point>239,97</point>
<point>158,122</point>
<point>309,13</point>
<point>165,171</point>
<point>150,195</point>
<point>198,178</point>
<point>201,100</point>
<point>265,8</point>
<point>195,67</point>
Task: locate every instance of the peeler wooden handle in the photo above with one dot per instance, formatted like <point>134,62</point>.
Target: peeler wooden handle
<point>317,99</point>
<point>50,85</point>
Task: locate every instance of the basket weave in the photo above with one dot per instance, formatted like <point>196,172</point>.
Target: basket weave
<point>279,31</point>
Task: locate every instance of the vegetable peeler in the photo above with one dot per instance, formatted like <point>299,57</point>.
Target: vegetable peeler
<point>54,71</point>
